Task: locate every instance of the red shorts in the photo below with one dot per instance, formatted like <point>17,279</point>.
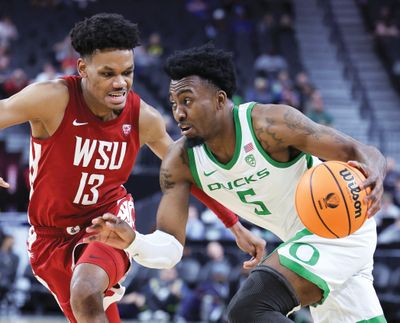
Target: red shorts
<point>55,252</point>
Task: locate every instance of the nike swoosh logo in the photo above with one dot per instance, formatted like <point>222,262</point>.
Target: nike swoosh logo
<point>94,257</point>
<point>77,124</point>
<point>210,173</point>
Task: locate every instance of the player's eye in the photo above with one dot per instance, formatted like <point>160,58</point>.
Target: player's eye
<point>106,74</point>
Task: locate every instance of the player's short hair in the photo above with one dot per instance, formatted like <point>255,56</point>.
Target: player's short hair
<point>209,63</point>
<point>104,31</point>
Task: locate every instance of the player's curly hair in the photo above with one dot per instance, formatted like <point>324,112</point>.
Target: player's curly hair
<point>207,62</point>
<point>104,31</point>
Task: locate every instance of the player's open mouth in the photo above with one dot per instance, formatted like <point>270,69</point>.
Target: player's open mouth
<point>185,129</point>
<point>117,97</point>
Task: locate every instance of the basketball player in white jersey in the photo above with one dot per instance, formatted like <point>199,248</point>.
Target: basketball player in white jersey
<point>250,159</point>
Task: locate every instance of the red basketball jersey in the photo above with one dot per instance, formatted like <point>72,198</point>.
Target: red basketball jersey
<point>77,174</point>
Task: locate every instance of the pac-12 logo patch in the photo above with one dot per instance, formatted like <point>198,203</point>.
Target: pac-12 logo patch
<point>251,160</point>
<point>126,129</point>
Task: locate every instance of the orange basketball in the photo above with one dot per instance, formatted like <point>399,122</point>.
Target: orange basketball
<point>329,201</point>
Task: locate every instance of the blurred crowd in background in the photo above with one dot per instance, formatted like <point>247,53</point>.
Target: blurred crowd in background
<point>35,46</point>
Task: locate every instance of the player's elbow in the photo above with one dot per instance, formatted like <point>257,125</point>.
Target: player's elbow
<point>158,250</point>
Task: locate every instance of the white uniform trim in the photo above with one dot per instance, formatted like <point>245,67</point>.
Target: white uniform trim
<point>156,250</point>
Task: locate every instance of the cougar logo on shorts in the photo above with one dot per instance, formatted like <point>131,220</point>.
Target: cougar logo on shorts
<point>331,200</point>
<point>73,230</point>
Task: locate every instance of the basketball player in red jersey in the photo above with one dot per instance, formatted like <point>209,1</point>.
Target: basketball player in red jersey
<point>86,132</point>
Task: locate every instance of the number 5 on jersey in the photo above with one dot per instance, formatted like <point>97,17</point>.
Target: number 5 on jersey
<point>261,209</point>
<point>92,180</point>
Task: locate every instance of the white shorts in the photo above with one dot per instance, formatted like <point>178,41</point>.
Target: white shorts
<point>342,268</point>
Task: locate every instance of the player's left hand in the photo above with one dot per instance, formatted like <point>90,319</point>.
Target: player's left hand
<point>374,181</point>
<point>3,183</point>
<point>250,243</point>
<point>110,230</point>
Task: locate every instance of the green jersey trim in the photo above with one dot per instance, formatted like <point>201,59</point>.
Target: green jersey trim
<point>261,149</point>
<point>376,319</point>
<point>238,144</point>
<point>305,273</point>
<point>310,161</point>
<point>193,168</point>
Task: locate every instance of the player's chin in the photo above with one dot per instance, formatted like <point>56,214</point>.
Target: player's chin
<point>194,141</point>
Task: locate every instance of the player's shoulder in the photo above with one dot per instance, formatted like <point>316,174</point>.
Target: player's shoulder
<point>52,91</point>
<point>177,152</point>
<point>271,109</point>
<point>273,114</point>
<point>177,160</point>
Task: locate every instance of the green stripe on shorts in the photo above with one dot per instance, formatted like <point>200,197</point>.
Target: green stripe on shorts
<point>377,319</point>
<point>306,274</point>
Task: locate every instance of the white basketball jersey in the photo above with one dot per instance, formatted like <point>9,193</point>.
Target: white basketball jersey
<point>253,185</point>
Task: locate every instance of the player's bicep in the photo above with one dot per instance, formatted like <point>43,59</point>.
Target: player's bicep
<point>32,103</point>
<point>304,134</point>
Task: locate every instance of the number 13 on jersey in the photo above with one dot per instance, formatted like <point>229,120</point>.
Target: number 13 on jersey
<point>93,181</point>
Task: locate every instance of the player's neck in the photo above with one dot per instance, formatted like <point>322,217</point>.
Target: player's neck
<point>223,143</point>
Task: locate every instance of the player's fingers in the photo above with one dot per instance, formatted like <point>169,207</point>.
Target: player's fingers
<point>360,166</point>
<point>110,217</point>
<point>91,238</point>
<point>375,205</point>
<point>249,264</point>
<point>3,183</point>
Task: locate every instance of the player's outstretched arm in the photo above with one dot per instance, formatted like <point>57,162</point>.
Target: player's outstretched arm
<point>281,126</point>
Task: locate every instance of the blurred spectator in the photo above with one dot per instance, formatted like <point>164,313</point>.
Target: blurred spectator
<point>392,175</point>
<point>317,112</point>
<point>216,258</point>
<point>215,230</point>
<point>388,213</point>
<point>270,63</point>
<point>216,29</point>
<point>8,266</point>
<point>4,58</point>
<point>305,90</point>
<point>155,47</point>
<point>198,8</point>
<point>241,22</point>
<point>66,56</point>
<point>386,26</point>
<point>213,293</point>
<point>165,295</point>
<point>8,31</point>
<point>260,91</point>
<point>16,82</point>
<point>396,192</point>
<point>195,229</point>
<point>267,33</point>
<point>391,234</point>
<point>48,73</point>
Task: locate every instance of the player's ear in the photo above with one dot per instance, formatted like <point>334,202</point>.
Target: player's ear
<point>81,67</point>
<point>221,99</point>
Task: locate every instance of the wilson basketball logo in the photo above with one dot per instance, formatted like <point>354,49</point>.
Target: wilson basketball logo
<point>331,200</point>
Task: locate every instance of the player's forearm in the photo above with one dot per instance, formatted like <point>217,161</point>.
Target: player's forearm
<point>226,216</point>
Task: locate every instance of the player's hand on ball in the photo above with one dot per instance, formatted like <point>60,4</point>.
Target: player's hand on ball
<point>3,183</point>
<point>374,181</point>
<point>110,230</point>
